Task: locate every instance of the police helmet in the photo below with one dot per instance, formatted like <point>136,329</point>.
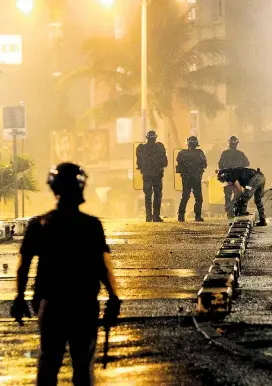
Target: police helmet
<point>233,141</point>
<point>223,175</point>
<point>192,142</point>
<point>67,180</point>
<point>151,135</point>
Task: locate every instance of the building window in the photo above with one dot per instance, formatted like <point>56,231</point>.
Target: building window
<point>119,27</point>
<point>192,15</point>
<point>218,9</point>
<point>55,33</point>
<point>124,130</point>
<point>194,130</point>
<point>192,67</point>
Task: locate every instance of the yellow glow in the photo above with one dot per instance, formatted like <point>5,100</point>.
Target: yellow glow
<point>25,6</point>
<point>107,3</point>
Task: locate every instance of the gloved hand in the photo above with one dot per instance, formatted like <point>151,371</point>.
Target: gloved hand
<point>19,309</point>
<point>112,310</point>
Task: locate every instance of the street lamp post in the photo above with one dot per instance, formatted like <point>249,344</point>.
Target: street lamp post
<point>144,68</point>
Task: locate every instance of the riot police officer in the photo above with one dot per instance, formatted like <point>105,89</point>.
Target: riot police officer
<point>232,158</point>
<point>151,161</point>
<point>73,260</point>
<point>253,182</point>
<point>191,164</point>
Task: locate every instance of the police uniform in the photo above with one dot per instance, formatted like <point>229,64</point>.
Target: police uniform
<point>232,158</point>
<point>191,164</point>
<point>253,181</point>
<point>71,247</point>
<point>151,161</point>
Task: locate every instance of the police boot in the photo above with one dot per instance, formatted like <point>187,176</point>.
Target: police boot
<point>261,223</point>
<point>199,219</point>
<point>157,219</point>
<point>181,218</point>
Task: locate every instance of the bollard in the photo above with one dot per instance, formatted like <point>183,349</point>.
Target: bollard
<point>234,241</point>
<point>240,246</point>
<point>239,231</point>
<point>5,268</point>
<point>236,236</point>
<point>231,253</point>
<point>239,225</point>
<point>228,265</point>
<point>214,300</point>
<point>219,279</point>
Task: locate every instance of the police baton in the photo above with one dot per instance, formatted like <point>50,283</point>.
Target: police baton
<point>111,313</point>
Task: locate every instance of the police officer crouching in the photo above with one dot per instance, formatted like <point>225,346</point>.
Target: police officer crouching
<point>73,260</point>
<point>253,182</point>
<point>191,163</point>
<point>151,161</point>
<point>232,158</point>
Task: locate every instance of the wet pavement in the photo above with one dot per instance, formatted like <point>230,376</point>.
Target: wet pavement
<point>159,269</point>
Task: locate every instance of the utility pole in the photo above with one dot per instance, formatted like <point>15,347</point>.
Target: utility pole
<point>144,68</point>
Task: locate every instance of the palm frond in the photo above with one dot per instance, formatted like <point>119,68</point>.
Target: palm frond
<point>201,100</point>
<point>214,74</point>
<point>119,107</point>
<point>24,179</point>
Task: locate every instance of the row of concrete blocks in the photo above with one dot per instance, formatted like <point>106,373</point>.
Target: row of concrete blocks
<point>220,284</point>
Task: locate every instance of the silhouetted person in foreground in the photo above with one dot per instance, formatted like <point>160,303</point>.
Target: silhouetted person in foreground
<point>252,181</point>
<point>151,161</point>
<point>73,260</point>
<point>232,158</point>
<point>191,164</point>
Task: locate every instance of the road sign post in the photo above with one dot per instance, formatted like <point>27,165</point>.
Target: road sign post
<point>14,127</point>
<point>14,139</point>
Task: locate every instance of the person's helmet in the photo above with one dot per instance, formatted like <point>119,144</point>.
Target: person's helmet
<point>233,141</point>
<point>192,142</point>
<point>151,135</point>
<point>68,180</point>
<point>223,175</point>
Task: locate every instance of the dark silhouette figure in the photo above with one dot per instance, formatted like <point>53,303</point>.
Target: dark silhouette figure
<point>191,163</point>
<point>151,161</point>
<point>73,260</point>
<point>253,182</point>
<point>232,158</point>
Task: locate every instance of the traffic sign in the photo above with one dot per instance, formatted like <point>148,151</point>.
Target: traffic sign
<point>14,121</point>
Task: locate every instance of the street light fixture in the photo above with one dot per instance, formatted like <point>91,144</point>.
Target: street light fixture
<point>107,3</point>
<point>25,6</point>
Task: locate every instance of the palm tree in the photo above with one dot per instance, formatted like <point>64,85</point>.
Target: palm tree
<point>25,178</point>
<point>179,72</point>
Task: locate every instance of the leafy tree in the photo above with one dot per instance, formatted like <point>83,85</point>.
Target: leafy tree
<point>178,70</point>
<point>25,178</point>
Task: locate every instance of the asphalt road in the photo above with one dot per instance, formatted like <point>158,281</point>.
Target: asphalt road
<point>159,269</point>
